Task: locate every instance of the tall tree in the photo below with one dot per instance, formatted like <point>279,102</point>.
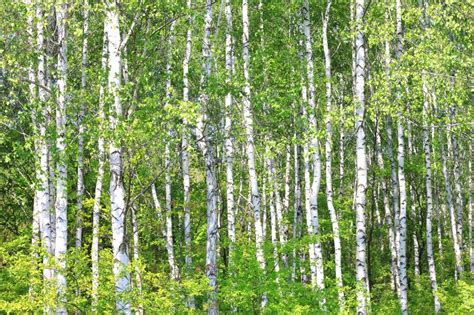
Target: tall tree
<point>361,160</point>
<point>61,164</point>
<point>116,188</point>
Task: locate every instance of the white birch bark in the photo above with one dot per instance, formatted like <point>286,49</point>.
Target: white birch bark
<point>36,224</point>
<point>449,195</point>
<point>116,189</point>
<point>204,137</point>
<point>169,221</point>
<point>248,124</point>
<point>456,247</point>
<point>314,151</point>
<point>402,224</point>
<point>429,200</point>
<point>328,146</point>
<point>61,165</point>
<point>411,193</point>
<point>80,135</point>
<point>229,149</point>
<point>457,182</point>
<point>361,161</point>
<point>43,182</point>
<point>98,184</point>
<point>185,154</point>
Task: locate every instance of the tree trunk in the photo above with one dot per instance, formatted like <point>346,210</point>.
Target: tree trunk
<point>314,148</point>
<point>361,161</point>
<point>169,219</point>
<point>228,145</point>
<point>98,185</point>
<point>61,165</point>
<point>185,154</point>
<point>429,201</point>
<point>328,146</point>
<point>203,134</point>
<point>248,124</point>
<point>402,220</point>
<point>80,125</point>
<point>116,189</point>
<point>46,224</point>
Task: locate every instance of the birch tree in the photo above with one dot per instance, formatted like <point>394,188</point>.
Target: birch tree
<point>361,160</point>
<point>328,146</point>
<point>116,188</point>
<point>312,149</point>
<point>61,164</point>
<point>96,209</point>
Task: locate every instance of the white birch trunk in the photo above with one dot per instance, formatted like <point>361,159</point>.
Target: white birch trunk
<point>314,148</point>
<point>429,201</point>
<point>457,182</point>
<point>185,154</point>
<point>361,161</point>
<point>228,145</point>
<point>116,189</point>
<point>98,185</point>
<point>169,221</point>
<point>248,123</point>
<point>328,146</point>
<point>80,125</point>
<point>203,134</point>
<point>61,165</point>
<point>43,182</point>
<point>36,224</point>
<point>402,220</point>
<point>411,193</point>
<point>457,248</point>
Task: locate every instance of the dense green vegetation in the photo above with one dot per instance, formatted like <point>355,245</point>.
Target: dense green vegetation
<point>230,152</point>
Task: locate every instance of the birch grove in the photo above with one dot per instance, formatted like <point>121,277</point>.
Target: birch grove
<point>241,157</point>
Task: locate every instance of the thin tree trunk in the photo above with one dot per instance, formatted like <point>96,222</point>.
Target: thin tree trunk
<point>361,161</point>
<point>80,134</point>
<point>116,190</point>
<point>452,215</point>
<point>98,185</point>
<point>185,154</point>
<point>207,149</point>
<point>402,227</point>
<point>429,201</point>
<point>328,145</point>
<point>36,223</point>
<point>43,148</point>
<point>314,148</point>
<point>444,170</point>
<point>457,182</point>
<point>169,220</point>
<point>248,124</point>
<point>61,165</point>
<point>229,149</point>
